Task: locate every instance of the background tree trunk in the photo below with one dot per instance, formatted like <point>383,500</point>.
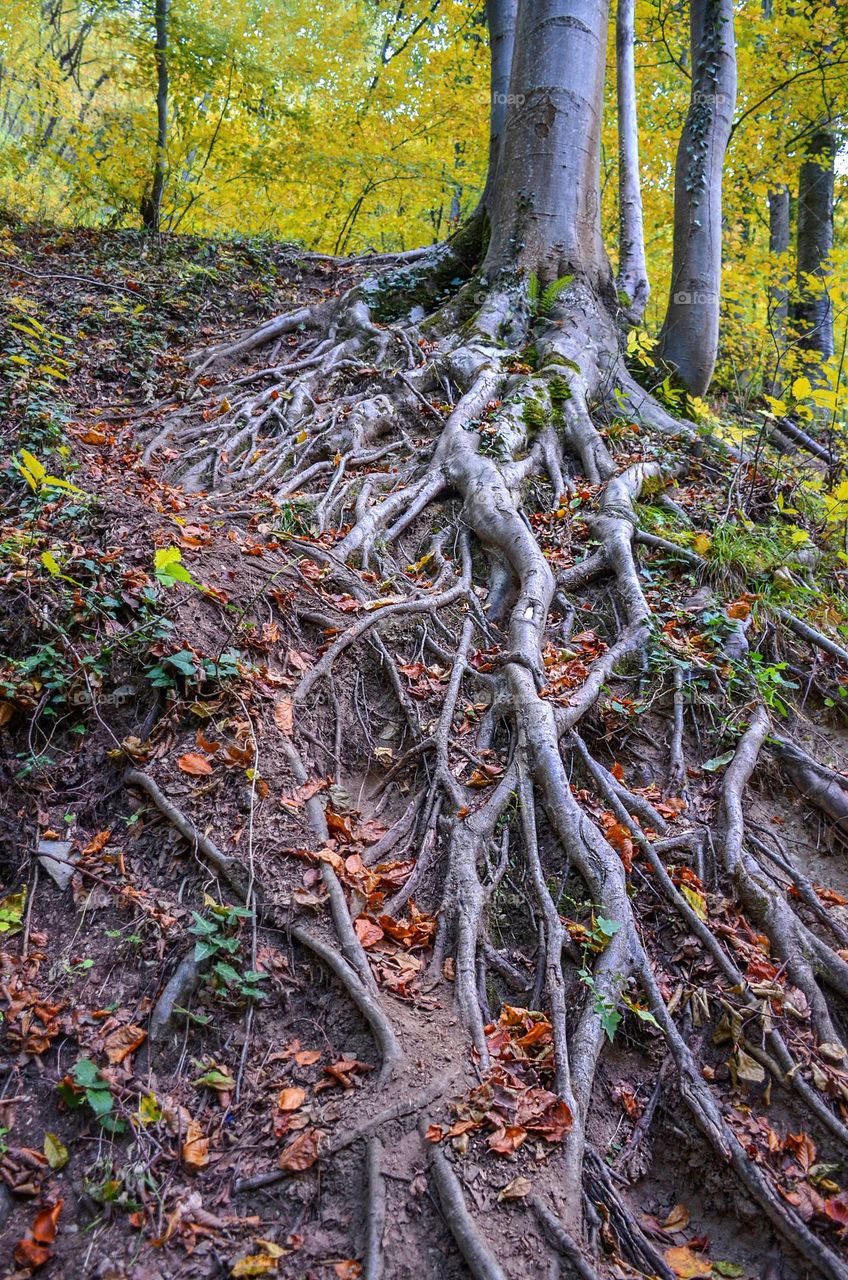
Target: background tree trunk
<point>778,202</point>
<point>545,207</point>
<point>632,279</point>
<point>500,19</point>
<point>151,205</point>
<point>814,311</point>
<point>689,338</point>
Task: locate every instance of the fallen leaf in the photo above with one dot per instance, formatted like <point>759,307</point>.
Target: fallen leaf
<point>194,764</point>
<point>368,933</point>
<point>347,1269</point>
<point>307,1057</point>
<point>195,1147</point>
<point>516,1190</point>
<point>506,1140</point>
<point>302,1152</point>
<point>678,1219</point>
<point>121,1043</point>
<point>686,1264</point>
<point>56,1151</point>
<point>284,716</point>
<point>97,843</point>
<point>255,1264</point>
<point>46,1221</point>
<point>291,1099</point>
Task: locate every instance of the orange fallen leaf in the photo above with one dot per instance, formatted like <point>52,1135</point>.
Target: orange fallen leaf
<point>506,1140</point>
<point>121,1043</point>
<point>97,843</point>
<point>31,1255</point>
<point>307,1057</point>
<point>195,1147</point>
<point>368,933</point>
<point>195,764</point>
<point>678,1218</point>
<point>46,1221</point>
<point>434,1133</point>
<point>302,1152</point>
<point>347,1269</point>
<point>687,1264</point>
<point>291,1099</point>
<point>35,1249</point>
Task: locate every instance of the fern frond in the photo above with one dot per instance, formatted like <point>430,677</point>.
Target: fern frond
<point>551,296</point>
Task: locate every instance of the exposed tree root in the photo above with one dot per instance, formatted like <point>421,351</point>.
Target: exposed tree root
<point>450,464</point>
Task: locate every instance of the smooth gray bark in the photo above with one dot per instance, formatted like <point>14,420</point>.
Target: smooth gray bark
<point>689,337</point>
<point>632,278</point>
<point>814,310</point>
<point>151,205</point>
<point>500,19</point>
<point>778,203</point>
<point>545,209</point>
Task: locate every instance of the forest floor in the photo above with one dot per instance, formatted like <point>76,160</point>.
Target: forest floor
<point>152,630</point>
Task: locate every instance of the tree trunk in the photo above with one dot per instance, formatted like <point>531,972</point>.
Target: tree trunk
<point>500,19</point>
<point>814,311</point>
<point>778,203</point>
<point>632,280</point>
<point>546,206</point>
<point>151,205</point>
<point>689,338</point>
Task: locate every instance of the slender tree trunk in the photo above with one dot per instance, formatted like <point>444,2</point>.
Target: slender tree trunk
<point>632,280</point>
<point>545,209</point>
<point>814,311</point>
<point>689,338</point>
<point>778,203</point>
<point>500,19</point>
<point>151,205</point>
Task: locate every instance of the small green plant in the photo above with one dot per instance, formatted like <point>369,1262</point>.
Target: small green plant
<point>169,568</point>
<point>542,301</point>
<point>37,477</point>
<point>770,682</point>
<point>86,1086</point>
<point>218,941</point>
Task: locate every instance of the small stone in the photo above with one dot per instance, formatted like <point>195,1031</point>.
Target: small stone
<point>56,859</point>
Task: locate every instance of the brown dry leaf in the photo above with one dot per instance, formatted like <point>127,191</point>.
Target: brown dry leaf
<point>687,1264</point>
<point>506,1140</point>
<point>291,1099</point>
<point>194,764</point>
<point>121,1043</point>
<point>97,843</point>
<point>307,1057</point>
<point>302,1152</point>
<point>347,1269</point>
<point>434,1133</point>
<point>195,1147</point>
<point>678,1219</point>
<point>739,609</point>
<point>44,1227</point>
<point>284,716</point>
<point>368,933</point>
<point>516,1190</point>
<point>35,1249</point>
